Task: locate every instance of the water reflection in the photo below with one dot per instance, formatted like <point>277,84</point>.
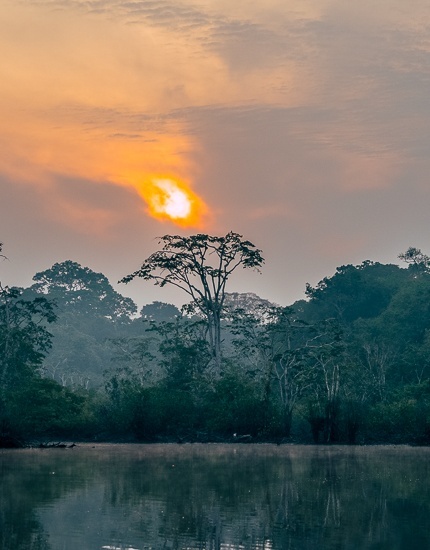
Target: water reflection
<point>214,497</point>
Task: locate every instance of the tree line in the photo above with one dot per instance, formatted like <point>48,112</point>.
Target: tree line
<point>349,363</point>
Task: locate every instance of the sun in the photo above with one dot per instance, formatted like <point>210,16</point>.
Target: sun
<point>171,199</point>
<point>178,205</point>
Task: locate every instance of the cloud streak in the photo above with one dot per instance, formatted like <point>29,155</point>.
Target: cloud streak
<point>295,122</point>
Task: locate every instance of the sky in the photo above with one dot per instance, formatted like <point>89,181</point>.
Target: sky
<point>303,126</point>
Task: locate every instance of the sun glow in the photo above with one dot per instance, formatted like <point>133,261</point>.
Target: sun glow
<point>171,199</point>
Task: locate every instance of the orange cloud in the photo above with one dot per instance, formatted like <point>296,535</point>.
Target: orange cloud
<point>41,153</point>
<point>89,95</point>
<point>94,107</point>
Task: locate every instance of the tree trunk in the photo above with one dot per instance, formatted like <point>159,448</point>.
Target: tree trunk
<point>217,340</point>
<point>331,421</point>
<point>287,421</point>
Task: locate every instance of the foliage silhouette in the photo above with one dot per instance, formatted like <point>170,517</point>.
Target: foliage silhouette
<point>201,265</point>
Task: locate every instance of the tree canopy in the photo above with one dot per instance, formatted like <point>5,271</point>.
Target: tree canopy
<point>418,262</point>
<point>82,290</point>
<point>351,362</point>
<point>201,265</point>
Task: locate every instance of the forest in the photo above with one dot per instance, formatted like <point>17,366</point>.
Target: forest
<point>349,364</point>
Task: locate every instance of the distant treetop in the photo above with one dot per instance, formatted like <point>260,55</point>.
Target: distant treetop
<point>84,290</point>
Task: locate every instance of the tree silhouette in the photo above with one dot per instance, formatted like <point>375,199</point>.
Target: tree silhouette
<point>200,265</point>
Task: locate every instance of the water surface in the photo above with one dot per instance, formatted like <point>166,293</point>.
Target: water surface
<point>215,497</point>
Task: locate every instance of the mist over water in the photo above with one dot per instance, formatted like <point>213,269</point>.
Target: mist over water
<point>215,497</point>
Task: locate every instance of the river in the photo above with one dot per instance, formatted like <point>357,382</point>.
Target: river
<point>213,496</point>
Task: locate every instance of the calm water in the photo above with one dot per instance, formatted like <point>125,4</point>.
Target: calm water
<point>215,497</point>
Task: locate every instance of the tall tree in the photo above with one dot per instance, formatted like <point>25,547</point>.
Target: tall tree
<point>82,290</point>
<point>90,312</point>
<point>201,265</point>
<point>353,292</point>
<point>279,344</point>
<point>24,341</point>
<point>24,338</point>
<point>419,263</point>
<point>326,354</point>
<point>159,312</point>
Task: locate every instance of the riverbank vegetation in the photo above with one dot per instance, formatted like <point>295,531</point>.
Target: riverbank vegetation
<point>350,363</point>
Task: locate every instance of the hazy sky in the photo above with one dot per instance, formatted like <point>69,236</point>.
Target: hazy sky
<point>303,125</point>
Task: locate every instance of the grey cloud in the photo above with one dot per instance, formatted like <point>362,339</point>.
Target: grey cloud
<point>108,197</point>
<point>274,173</point>
<point>242,43</point>
<point>382,123</point>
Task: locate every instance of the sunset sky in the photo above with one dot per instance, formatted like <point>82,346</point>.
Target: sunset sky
<point>303,125</point>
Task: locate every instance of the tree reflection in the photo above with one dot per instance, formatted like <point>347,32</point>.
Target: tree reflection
<point>218,497</point>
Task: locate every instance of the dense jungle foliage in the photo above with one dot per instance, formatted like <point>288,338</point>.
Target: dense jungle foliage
<point>350,363</point>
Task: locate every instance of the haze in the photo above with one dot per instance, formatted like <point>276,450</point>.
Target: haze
<point>302,125</point>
